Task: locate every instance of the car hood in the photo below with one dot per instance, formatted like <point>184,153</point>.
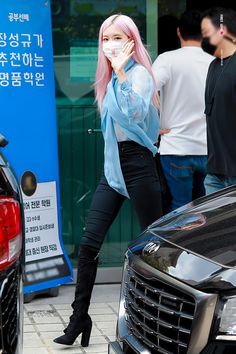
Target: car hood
<point>196,243</point>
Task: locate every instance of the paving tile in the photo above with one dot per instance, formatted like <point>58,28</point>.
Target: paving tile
<point>67,350</point>
<point>64,312</point>
<point>109,331</point>
<point>108,324</point>
<point>49,327</point>
<point>100,311</point>
<point>36,351</point>
<point>95,331</point>
<point>27,321</point>
<point>96,348</point>
<point>97,305</point>
<point>62,306</point>
<point>98,340</point>
<point>65,318</point>
<point>104,318</point>
<point>114,306</point>
<point>47,320</point>
<point>32,340</point>
<point>50,335</point>
<point>37,307</point>
<point>29,328</point>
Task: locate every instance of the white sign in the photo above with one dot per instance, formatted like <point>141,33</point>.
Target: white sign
<point>41,223</point>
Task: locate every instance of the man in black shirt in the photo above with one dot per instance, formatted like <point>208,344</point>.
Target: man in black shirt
<point>219,38</point>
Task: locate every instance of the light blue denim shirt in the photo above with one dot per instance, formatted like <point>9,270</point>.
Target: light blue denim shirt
<point>128,114</point>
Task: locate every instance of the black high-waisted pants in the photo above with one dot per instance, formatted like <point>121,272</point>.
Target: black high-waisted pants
<point>142,183</point>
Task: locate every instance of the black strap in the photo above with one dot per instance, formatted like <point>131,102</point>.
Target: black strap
<point>233,40</point>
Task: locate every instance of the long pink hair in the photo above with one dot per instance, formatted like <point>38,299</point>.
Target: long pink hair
<point>104,68</point>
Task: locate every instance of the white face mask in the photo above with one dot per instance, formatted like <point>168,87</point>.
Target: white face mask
<point>112,47</point>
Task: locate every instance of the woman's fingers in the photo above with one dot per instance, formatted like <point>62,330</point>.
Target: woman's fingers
<point>130,55</point>
<point>128,47</point>
<point>126,42</point>
<point>164,131</point>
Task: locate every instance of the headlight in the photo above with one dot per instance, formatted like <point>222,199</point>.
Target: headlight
<point>121,325</point>
<point>122,289</point>
<point>228,317</point>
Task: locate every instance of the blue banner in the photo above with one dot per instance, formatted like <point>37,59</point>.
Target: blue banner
<point>28,120</point>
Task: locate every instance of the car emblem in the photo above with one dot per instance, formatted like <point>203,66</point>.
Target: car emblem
<point>151,247</point>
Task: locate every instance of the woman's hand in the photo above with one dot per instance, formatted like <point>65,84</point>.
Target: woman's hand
<point>118,63</point>
<point>164,131</point>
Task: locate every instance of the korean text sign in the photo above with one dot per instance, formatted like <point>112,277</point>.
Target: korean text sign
<point>28,120</point>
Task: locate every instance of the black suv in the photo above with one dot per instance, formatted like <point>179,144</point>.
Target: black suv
<point>11,259</point>
<point>178,293</point>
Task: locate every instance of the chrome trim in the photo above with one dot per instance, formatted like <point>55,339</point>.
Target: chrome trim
<point>201,323</point>
<point>122,329</point>
<point>227,337</point>
<point>151,247</point>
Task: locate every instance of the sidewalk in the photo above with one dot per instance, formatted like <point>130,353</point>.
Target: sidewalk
<point>46,317</point>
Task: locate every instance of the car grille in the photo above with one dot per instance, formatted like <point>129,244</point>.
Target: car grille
<point>8,312</point>
<point>157,314</point>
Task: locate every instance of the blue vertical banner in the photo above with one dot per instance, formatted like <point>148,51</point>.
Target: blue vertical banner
<point>28,120</point>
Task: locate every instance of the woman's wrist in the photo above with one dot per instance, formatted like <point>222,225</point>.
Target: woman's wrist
<point>121,76</point>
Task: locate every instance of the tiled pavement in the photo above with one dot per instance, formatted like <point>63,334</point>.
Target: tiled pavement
<point>45,319</point>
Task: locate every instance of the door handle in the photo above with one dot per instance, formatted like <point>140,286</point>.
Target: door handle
<point>92,131</point>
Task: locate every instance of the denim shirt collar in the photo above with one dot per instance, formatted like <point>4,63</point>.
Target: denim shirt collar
<point>128,66</point>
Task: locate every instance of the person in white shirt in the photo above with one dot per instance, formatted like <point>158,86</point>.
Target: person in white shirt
<point>181,76</point>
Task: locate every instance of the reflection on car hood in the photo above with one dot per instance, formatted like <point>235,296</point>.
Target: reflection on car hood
<point>196,243</point>
<point>2,160</point>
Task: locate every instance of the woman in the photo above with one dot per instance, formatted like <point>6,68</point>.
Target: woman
<point>127,100</point>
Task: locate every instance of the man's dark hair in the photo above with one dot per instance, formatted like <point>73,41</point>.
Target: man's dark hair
<point>219,15</point>
<point>190,25</point>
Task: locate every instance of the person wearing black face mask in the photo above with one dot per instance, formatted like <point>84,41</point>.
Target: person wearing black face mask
<point>207,46</point>
<point>211,48</point>
<point>219,38</point>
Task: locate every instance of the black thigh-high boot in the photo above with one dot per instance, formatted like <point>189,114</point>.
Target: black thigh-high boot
<point>80,321</point>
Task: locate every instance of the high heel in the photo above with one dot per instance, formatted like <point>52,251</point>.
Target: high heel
<point>74,331</point>
<point>86,337</point>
